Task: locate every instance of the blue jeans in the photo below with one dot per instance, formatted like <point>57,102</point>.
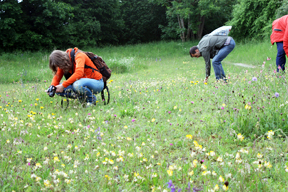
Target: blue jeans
<point>216,61</point>
<point>84,89</point>
<point>281,56</point>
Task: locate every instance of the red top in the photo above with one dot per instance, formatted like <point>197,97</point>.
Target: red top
<point>79,70</point>
<point>280,32</point>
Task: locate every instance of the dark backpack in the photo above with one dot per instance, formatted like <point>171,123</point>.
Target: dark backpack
<point>101,68</point>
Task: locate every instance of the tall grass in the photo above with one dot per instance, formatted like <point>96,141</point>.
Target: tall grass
<point>33,67</point>
<point>163,125</point>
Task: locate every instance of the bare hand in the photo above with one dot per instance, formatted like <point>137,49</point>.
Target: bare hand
<point>59,88</point>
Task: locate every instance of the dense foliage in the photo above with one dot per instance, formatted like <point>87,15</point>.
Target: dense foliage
<point>30,25</point>
<point>39,24</point>
<point>253,18</point>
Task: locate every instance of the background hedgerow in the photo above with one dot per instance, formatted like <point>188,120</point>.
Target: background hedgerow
<point>163,130</point>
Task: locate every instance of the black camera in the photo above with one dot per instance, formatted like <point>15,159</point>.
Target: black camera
<point>51,91</point>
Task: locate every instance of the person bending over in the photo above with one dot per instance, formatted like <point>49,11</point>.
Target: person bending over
<point>216,48</point>
<point>280,37</point>
<point>82,77</point>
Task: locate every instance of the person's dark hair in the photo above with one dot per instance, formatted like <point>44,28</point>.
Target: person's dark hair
<point>193,50</point>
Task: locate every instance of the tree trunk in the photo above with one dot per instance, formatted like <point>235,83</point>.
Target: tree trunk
<point>181,26</point>
<point>183,33</point>
<point>188,29</point>
<point>201,26</point>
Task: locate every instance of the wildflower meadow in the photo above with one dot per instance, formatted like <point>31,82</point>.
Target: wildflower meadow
<point>163,130</point>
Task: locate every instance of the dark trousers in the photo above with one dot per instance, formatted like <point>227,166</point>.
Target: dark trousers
<point>281,57</point>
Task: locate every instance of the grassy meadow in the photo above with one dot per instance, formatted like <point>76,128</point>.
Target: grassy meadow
<point>163,130</point>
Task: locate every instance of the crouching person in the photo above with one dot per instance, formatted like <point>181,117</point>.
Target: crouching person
<point>216,48</point>
<point>83,79</point>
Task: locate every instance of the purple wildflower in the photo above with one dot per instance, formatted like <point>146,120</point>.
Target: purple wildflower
<point>254,79</point>
<point>133,120</point>
<point>170,184</point>
<point>276,94</point>
<point>189,187</point>
<point>98,133</point>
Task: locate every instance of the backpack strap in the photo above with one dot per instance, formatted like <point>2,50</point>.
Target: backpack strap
<point>72,55</point>
<point>102,94</point>
<point>93,69</point>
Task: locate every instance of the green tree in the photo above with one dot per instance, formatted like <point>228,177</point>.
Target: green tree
<point>253,18</point>
<point>282,10</point>
<point>10,23</point>
<point>191,15</point>
<point>45,24</point>
<point>96,22</point>
<point>33,24</point>
<point>141,20</point>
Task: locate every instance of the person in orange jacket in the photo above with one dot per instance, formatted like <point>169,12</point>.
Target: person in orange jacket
<point>280,37</point>
<point>82,77</point>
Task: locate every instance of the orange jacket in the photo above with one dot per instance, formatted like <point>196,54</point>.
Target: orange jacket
<point>81,59</point>
<point>280,32</point>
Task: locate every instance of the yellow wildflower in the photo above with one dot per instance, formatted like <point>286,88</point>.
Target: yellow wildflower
<point>189,136</point>
<point>247,107</point>
<point>170,172</point>
<point>221,179</point>
<point>240,137</point>
<point>56,159</point>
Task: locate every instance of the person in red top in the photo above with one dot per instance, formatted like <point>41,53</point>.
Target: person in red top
<point>280,37</point>
<point>82,76</point>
